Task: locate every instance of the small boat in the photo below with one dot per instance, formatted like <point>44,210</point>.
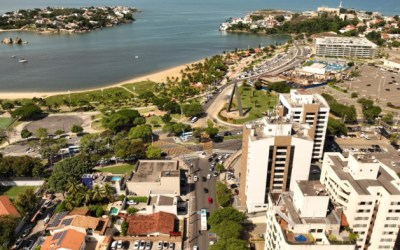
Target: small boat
<point>22,61</point>
<point>13,56</point>
<point>136,57</point>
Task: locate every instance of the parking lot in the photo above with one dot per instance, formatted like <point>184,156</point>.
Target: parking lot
<point>161,243</point>
<point>376,83</point>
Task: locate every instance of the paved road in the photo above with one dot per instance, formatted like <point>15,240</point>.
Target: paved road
<point>201,169</point>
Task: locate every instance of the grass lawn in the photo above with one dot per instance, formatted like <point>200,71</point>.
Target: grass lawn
<point>13,191</point>
<point>120,169</point>
<point>258,102</point>
<point>5,121</point>
<point>155,118</point>
<point>141,87</point>
<point>92,96</point>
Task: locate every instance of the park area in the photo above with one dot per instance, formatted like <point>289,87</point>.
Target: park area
<point>13,191</point>
<point>5,122</point>
<point>255,104</point>
<point>118,169</point>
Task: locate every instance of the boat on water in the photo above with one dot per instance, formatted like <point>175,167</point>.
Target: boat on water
<point>13,56</point>
<point>22,61</point>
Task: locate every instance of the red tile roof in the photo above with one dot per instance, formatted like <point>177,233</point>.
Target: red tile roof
<point>67,239</point>
<point>160,222</point>
<point>6,207</point>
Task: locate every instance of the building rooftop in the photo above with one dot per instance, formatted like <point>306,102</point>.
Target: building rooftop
<point>161,200</point>
<point>152,170</point>
<point>339,164</point>
<point>61,220</point>
<point>6,207</point>
<point>299,97</point>
<point>358,41</point>
<point>67,239</point>
<point>312,188</point>
<point>160,222</point>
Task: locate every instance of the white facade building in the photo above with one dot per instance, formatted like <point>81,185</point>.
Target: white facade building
<point>369,193</point>
<point>345,47</point>
<point>311,109</point>
<point>304,220</point>
<point>276,153</point>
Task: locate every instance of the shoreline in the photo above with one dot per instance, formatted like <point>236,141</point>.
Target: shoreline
<point>157,76</point>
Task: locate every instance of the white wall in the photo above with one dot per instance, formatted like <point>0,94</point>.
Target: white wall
<point>301,161</point>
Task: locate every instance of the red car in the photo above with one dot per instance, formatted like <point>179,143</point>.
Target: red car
<point>210,200</point>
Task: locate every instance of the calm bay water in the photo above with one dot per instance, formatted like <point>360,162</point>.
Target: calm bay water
<point>167,33</point>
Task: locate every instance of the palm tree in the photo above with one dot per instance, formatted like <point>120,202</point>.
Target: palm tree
<point>72,187</point>
<point>108,191</point>
<point>69,203</point>
<point>97,193</point>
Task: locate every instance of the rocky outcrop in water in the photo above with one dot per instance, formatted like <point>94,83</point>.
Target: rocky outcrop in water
<point>7,40</point>
<point>18,40</point>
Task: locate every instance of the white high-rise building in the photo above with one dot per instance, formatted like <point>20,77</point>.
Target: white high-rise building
<point>307,108</point>
<point>345,47</point>
<point>305,220</point>
<point>369,192</point>
<point>275,154</point>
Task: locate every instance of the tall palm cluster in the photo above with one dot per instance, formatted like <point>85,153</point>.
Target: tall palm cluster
<point>78,195</point>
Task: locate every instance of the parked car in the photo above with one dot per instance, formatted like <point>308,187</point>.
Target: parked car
<point>159,246</point>
<point>195,178</point>
<point>27,245</point>
<point>215,174</point>
<point>136,245</point>
<point>47,219</point>
<point>210,200</point>
<point>195,248</point>
<point>148,245</point>
<point>114,245</point>
<point>236,191</point>
<point>119,244</point>
<point>125,244</point>
<point>165,245</point>
<point>171,246</point>
<point>209,176</point>
<point>142,245</point>
<point>18,243</point>
<point>27,231</point>
<point>132,202</point>
<point>47,203</point>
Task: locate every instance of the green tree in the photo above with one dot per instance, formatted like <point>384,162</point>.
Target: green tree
<point>25,133</point>
<point>124,228</point>
<point>99,211</point>
<point>220,168</point>
<point>153,152</point>
<point>76,129</point>
<point>226,213</point>
<point>132,210</point>
<point>41,133</point>
<point>140,132</point>
<point>192,109</point>
<point>335,127</point>
<point>211,131</point>
<point>120,120</point>
<point>388,118</point>
<point>27,111</point>
<point>166,118</point>
<point>26,201</point>
<point>227,229</point>
<point>8,224</point>
<point>139,121</point>
<point>224,195</point>
<point>97,193</point>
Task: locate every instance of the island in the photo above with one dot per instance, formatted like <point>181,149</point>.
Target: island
<point>66,20</point>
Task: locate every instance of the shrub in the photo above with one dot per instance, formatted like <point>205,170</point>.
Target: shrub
<point>138,199</point>
<point>124,228</point>
<point>132,210</point>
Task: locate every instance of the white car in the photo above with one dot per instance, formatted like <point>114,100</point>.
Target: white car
<point>114,245</point>
<point>119,244</point>
<point>136,245</point>
<point>209,176</point>
<point>132,202</point>
<point>171,246</point>
<point>195,248</point>
<point>195,178</point>
<point>46,220</point>
<point>159,246</point>
<point>142,245</point>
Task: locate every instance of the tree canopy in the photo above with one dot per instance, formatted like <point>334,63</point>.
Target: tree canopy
<point>8,223</point>
<point>192,109</point>
<point>140,132</point>
<point>120,120</point>
<point>153,152</point>
<point>26,201</point>
<point>26,111</point>
<point>335,127</point>
<point>20,166</point>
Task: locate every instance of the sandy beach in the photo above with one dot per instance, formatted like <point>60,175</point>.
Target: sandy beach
<point>156,77</point>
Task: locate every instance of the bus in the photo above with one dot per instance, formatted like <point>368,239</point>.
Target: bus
<point>203,219</point>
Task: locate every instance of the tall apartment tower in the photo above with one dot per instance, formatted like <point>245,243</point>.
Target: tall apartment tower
<point>275,154</point>
<point>369,192</point>
<point>307,108</point>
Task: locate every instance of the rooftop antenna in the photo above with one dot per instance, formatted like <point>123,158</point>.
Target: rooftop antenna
<point>340,5</point>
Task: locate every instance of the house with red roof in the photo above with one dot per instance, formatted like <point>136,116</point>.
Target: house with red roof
<point>6,207</point>
<point>67,239</point>
<point>156,224</point>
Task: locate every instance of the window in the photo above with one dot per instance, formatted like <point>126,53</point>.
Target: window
<point>392,218</point>
<point>319,230</point>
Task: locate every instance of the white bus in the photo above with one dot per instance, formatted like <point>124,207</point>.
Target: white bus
<point>203,219</point>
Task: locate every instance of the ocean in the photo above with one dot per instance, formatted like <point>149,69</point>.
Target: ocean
<point>165,34</point>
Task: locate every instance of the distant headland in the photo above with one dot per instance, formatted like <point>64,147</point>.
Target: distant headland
<point>66,20</point>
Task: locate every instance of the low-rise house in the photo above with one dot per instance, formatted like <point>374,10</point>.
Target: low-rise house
<point>6,207</point>
<point>158,224</point>
<point>68,239</point>
<point>155,176</point>
<point>162,203</point>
